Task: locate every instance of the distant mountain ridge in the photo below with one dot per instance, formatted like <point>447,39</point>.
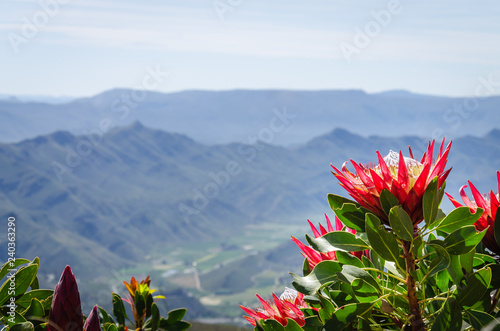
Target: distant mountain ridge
<point>142,182</point>
<point>227,116</point>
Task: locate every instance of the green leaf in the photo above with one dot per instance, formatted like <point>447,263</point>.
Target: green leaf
<point>480,260</point>
<point>449,318</point>
<point>364,291</point>
<point>476,285</point>
<point>312,324</point>
<point>8,266</point>
<point>458,218</point>
<point>388,200</point>
<point>119,309</point>
<point>463,240</point>
<point>327,309</point>
<point>466,260</point>
<point>23,279</point>
<point>440,262</point>
<point>430,201</point>
<point>269,325</point>
<point>401,223</point>
<point>348,258</point>
<point>324,272</point>
<point>383,242</point>
<point>351,272</point>
<point>176,315</point>
<point>455,269</point>
<point>495,275</point>
<point>337,240</point>
<point>482,321</point>
<point>155,317</point>
<point>23,326</point>
<point>348,313</point>
<point>106,318</point>
<point>292,325</point>
<point>25,300</point>
<point>35,311</point>
<point>348,211</point>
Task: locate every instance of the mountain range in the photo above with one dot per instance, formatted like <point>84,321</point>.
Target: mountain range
<point>141,187</point>
<point>222,117</point>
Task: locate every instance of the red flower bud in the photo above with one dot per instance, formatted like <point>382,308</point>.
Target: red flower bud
<point>66,310</point>
<point>92,323</point>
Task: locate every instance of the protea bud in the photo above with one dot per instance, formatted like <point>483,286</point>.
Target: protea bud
<point>92,323</point>
<point>66,310</point>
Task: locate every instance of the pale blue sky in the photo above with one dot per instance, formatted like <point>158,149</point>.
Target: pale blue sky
<point>86,47</point>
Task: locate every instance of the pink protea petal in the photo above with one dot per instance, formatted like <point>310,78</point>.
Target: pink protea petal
<point>465,198</point>
<point>479,199</point>
<point>385,170</point>
<point>322,230</point>
<point>329,224</point>
<point>380,184</point>
<point>453,201</point>
<point>430,150</point>
<point>314,230</point>
<point>403,178</point>
<point>421,182</point>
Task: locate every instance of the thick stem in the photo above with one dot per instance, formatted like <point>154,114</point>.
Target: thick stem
<point>494,301</point>
<point>417,324</point>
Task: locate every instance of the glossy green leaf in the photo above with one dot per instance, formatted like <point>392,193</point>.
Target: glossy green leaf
<point>482,321</point>
<point>327,309</point>
<point>481,260</point>
<point>337,240</point>
<point>23,279</point>
<point>440,262</point>
<point>383,242</point>
<point>455,269</point>
<point>364,291</point>
<point>155,317</point>
<point>10,265</point>
<point>269,325</point>
<point>430,201</point>
<point>119,309</point>
<point>291,325</point>
<point>463,240</point>
<point>106,318</point>
<point>35,311</point>
<point>350,273</point>
<point>476,285</point>
<point>449,318</point>
<point>312,324</point>
<point>176,315</point>
<point>401,223</point>
<point>324,272</point>
<point>23,326</point>
<point>348,258</point>
<point>348,211</point>
<point>41,295</point>
<point>466,260</point>
<point>388,200</point>
<point>458,218</point>
<point>348,313</point>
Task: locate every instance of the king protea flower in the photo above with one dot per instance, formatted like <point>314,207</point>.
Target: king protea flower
<point>405,177</point>
<point>92,322</point>
<point>314,257</point>
<point>286,306</point>
<point>487,219</point>
<point>66,310</point>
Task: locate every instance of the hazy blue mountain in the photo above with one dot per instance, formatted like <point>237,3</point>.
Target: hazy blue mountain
<point>237,116</point>
<point>140,182</point>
